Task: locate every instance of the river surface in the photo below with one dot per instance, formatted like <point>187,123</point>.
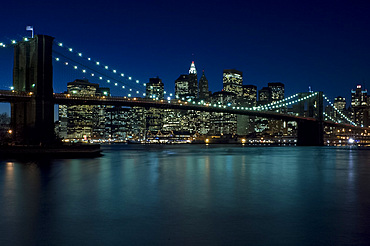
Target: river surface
<point>189,195</point>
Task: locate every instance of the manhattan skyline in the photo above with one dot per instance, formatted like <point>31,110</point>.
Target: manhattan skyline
<point>317,44</point>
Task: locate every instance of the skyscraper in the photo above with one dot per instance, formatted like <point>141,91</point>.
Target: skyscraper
<point>358,97</point>
<point>340,104</point>
<point>83,121</point>
<point>186,86</point>
<point>250,95</point>
<point>203,87</point>
<point>360,109</point>
<point>264,96</point>
<point>154,116</point>
<point>277,91</point>
<point>155,89</point>
<point>233,81</point>
<point>193,81</point>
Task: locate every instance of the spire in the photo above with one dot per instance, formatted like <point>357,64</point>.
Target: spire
<point>192,69</point>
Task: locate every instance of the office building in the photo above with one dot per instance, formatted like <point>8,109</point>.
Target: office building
<point>155,89</point>
<point>277,91</point>
<point>186,86</point>
<point>233,81</point>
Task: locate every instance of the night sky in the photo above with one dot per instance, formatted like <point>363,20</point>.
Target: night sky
<point>322,44</point>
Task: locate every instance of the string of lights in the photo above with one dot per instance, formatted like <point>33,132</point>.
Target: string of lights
<point>329,117</point>
<point>96,74</point>
<point>98,63</point>
<point>338,111</point>
<point>272,106</point>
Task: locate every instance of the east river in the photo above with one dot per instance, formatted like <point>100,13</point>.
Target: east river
<point>189,195</point>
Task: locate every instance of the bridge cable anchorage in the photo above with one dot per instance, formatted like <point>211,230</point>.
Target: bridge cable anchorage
<point>97,63</point>
<point>134,90</point>
<point>337,110</point>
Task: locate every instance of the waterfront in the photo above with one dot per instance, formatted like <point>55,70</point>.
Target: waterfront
<point>189,195</point>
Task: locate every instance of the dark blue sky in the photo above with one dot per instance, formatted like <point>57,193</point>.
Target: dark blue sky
<point>322,44</point>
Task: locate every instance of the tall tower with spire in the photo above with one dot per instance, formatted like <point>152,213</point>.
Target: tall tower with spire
<point>203,87</point>
<point>193,81</point>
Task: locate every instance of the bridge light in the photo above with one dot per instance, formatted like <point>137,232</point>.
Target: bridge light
<point>70,49</point>
<point>60,44</point>
<point>114,71</point>
<point>92,74</point>
<point>25,39</point>
<point>100,78</point>
<point>108,81</point>
<point>12,87</point>
<point>137,92</point>
<point>66,63</point>
<point>106,67</point>
<point>75,67</point>
<point>80,54</point>
<point>89,59</point>
<point>137,81</point>
<point>130,89</point>
<point>129,78</point>
<point>57,59</point>
<point>13,41</point>
<point>123,87</point>
<point>122,74</point>
<point>97,63</point>
<point>84,71</point>
<point>115,84</point>
<point>129,95</point>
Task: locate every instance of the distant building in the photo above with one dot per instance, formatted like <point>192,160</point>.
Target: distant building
<point>264,96</point>
<point>340,104</point>
<point>155,89</point>
<point>249,95</point>
<point>154,116</point>
<point>223,123</point>
<point>360,107</point>
<point>186,86</point>
<point>83,121</point>
<point>358,97</point>
<point>277,91</point>
<point>203,88</point>
<point>233,81</point>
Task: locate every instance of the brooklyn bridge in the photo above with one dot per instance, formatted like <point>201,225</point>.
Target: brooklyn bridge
<point>32,99</point>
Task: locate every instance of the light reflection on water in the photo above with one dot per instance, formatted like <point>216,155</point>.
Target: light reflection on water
<point>189,195</point>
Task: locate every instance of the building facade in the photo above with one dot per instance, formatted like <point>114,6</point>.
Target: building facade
<point>233,81</point>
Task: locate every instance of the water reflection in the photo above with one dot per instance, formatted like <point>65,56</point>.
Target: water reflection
<point>189,195</point>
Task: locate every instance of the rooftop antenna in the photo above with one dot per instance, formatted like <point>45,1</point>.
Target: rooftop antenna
<point>30,28</point>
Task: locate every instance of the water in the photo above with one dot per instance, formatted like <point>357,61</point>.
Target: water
<point>189,195</point>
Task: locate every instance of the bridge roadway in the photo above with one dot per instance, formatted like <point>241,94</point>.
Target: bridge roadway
<point>68,99</point>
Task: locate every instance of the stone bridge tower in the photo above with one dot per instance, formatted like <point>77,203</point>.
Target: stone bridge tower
<point>33,120</point>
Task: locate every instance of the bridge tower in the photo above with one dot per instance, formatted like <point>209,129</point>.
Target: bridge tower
<point>311,133</point>
<point>33,121</point>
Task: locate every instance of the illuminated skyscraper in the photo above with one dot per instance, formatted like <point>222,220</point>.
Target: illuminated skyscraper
<point>83,121</point>
<point>277,91</point>
<point>250,95</point>
<point>233,81</point>
<point>359,97</point>
<point>360,109</point>
<point>155,89</point>
<point>186,86</point>
<point>154,116</point>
